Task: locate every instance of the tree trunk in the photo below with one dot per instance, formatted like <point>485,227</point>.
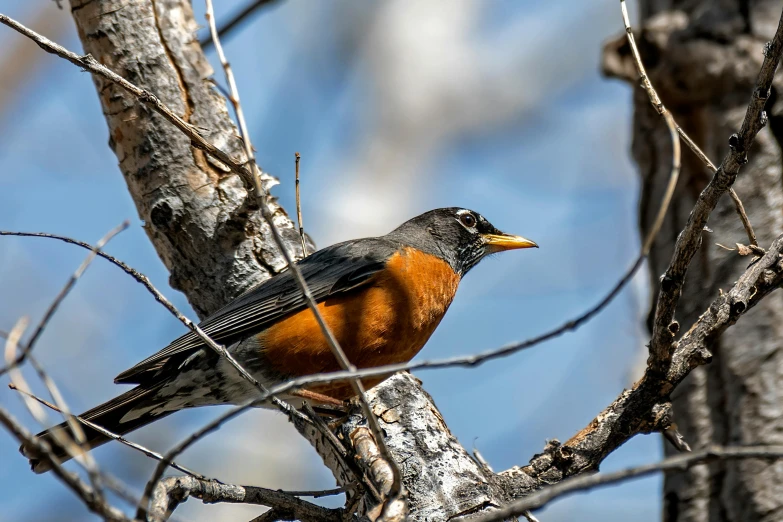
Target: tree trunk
<point>703,58</point>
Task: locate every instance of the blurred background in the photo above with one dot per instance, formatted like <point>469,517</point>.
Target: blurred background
<point>397,107</point>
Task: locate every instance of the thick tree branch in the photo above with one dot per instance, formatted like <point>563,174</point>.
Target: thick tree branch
<point>174,490</point>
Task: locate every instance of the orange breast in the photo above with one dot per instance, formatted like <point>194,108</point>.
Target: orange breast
<point>386,321</point>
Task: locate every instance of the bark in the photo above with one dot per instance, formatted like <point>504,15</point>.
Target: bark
<point>703,58</point>
<point>196,213</point>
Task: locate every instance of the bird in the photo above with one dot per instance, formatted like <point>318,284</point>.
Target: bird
<point>382,298</point>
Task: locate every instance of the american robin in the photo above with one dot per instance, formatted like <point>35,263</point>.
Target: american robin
<point>382,297</point>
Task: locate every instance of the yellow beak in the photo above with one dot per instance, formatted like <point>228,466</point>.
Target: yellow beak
<point>500,242</point>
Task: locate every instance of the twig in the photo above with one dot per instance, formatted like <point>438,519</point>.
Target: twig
<point>192,326</point>
<point>341,376</point>
<point>63,293</point>
<point>93,502</point>
<point>232,87</point>
<point>187,442</point>
<point>743,217</point>
<point>252,178</point>
<point>655,101</point>
<point>586,482</point>
<point>237,19</point>
<point>297,157</point>
<point>60,437</point>
<point>144,96</point>
<point>103,431</point>
<point>174,490</point>
<point>689,240</point>
<point>358,388</point>
<point>315,494</point>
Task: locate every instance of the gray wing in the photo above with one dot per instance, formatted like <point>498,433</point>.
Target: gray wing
<point>333,270</point>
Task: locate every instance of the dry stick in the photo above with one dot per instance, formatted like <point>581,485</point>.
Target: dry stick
<point>587,482</point>
<point>97,478</point>
<point>315,494</point>
<point>655,101</point>
<point>142,95</point>
<point>172,491</point>
<point>689,240</point>
<point>39,414</point>
<point>103,431</point>
<point>82,490</point>
<point>297,157</point>
<point>63,293</point>
<point>255,182</point>
<point>235,21</point>
<point>60,437</point>
<point>340,376</point>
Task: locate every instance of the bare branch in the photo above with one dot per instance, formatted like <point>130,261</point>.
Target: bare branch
<point>655,101</point>
<point>298,157</point>
<point>172,491</point>
<point>142,95</point>
<point>235,21</point>
<point>690,239</point>
<point>93,502</point>
<point>394,489</point>
<point>586,482</point>
<point>63,293</point>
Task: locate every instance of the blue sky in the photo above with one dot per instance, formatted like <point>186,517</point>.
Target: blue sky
<point>396,107</point>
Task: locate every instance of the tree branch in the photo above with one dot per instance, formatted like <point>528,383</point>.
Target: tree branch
<point>690,238</point>
<point>172,491</point>
<point>587,482</point>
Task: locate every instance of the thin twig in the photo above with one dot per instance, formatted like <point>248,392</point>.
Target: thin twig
<point>103,431</point>
<point>342,359</point>
<point>342,376</point>
<point>252,178</point>
<point>744,217</point>
<point>298,157</point>
<point>63,293</point>
<point>689,240</point>
<point>586,482</point>
<point>142,95</point>
<point>316,493</point>
<point>655,101</point>
<point>93,502</point>
<point>235,20</point>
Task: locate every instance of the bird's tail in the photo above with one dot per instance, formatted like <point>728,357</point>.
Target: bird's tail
<point>123,414</point>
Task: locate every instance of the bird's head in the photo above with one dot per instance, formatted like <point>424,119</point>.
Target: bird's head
<point>460,236</point>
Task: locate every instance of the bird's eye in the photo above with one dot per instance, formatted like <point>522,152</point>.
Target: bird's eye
<point>469,220</point>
